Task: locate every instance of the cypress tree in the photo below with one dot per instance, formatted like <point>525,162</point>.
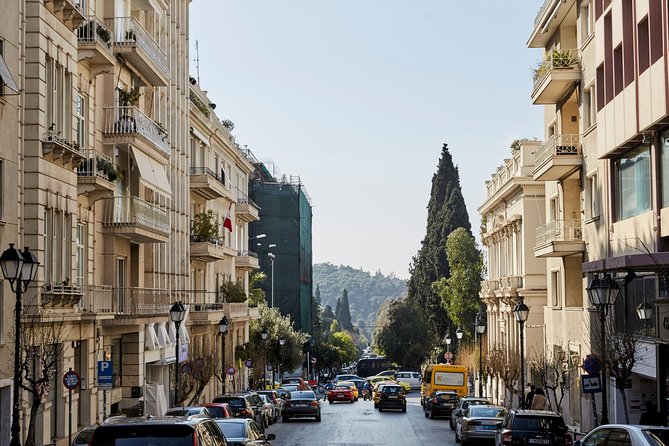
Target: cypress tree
<point>344,317</point>
<point>446,211</point>
<point>316,312</point>
<point>338,308</point>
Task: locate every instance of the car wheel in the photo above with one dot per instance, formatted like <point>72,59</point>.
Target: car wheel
<point>318,418</point>
<point>380,409</point>
<point>431,415</point>
<point>355,399</point>
<point>352,399</point>
<point>451,424</point>
<point>330,401</point>
<point>285,419</point>
<point>425,413</point>
<point>404,409</point>
<point>457,438</point>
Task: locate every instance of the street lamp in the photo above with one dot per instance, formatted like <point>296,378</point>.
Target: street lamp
<point>448,343</point>
<point>263,335</point>
<point>19,268</point>
<point>282,342</point>
<point>480,329</point>
<point>271,259</point>
<point>223,330</point>
<point>603,293</point>
<point>521,312</point>
<point>177,314</point>
<point>459,333</point>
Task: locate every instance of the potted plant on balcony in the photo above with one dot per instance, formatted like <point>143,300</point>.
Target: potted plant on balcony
<point>232,292</point>
<point>107,168</point>
<point>127,98</point>
<point>205,227</point>
<point>103,33</point>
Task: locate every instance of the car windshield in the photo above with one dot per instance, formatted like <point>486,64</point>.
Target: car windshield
<point>392,389</point>
<point>446,397</point>
<point>657,437</point>
<point>233,430</point>
<point>84,437</point>
<point>303,395</point>
<point>467,403</point>
<point>143,435</point>
<point>344,387</point>
<point>237,403</point>
<point>216,412</point>
<point>487,412</point>
<point>539,424</point>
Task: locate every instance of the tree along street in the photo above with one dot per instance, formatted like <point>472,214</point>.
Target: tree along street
<point>361,425</point>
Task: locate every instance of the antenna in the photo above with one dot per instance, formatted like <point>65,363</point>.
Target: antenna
<point>197,61</point>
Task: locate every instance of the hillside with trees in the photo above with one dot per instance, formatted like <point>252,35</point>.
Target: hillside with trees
<point>365,293</point>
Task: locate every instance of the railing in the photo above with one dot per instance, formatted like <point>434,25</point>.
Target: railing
<point>128,32</point>
<point>128,120</point>
<point>133,302</point>
<point>560,230</point>
<point>242,198</point>
<point>207,171</point>
<point>247,254</point>
<point>200,300</point>
<point>554,60</point>
<point>541,11</point>
<point>132,211</point>
<point>558,145</point>
<point>94,31</point>
<point>97,165</point>
<point>97,299</point>
<point>199,104</point>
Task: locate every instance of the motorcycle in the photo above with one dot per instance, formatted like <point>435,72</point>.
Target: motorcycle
<point>365,395</point>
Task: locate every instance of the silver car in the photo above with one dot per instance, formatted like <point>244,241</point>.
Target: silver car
<point>631,435</point>
<point>479,422</point>
<point>462,405</point>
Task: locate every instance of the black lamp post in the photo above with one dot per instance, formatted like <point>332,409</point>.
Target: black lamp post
<point>603,293</point>
<point>282,342</point>
<point>19,268</point>
<point>223,330</point>
<point>522,312</point>
<point>480,329</point>
<point>177,314</point>
<point>263,335</point>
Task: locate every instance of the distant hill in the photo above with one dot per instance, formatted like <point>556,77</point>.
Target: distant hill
<point>366,291</point>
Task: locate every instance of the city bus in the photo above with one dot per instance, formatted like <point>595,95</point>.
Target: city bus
<point>371,366</point>
<point>443,377</point>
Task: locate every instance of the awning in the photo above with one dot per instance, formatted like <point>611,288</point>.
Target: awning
<point>6,76</point>
<point>151,173</point>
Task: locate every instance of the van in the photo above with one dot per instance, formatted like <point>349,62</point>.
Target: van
<point>443,377</point>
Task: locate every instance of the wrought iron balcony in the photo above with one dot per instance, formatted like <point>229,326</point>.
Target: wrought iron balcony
<point>136,219</point>
<point>95,45</point>
<point>558,156</point>
<point>132,302</point>
<point>129,125</point>
<point>207,184</point>
<point>559,238</point>
<point>555,76</point>
<point>96,174</point>
<point>246,209</point>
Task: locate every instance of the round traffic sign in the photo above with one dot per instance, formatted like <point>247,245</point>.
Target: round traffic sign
<point>231,370</point>
<point>269,367</point>
<point>71,380</point>
<point>448,356</point>
<point>313,360</point>
<point>248,363</point>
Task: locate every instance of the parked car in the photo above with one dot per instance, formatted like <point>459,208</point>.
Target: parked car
<point>187,411</point>
<point>463,404</point>
<point>440,403</point>
<point>345,378</point>
<point>532,427</point>
<point>142,431</point>
<point>410,378</point>
<point>290,388</point>
<point>243,431</point>
<point>301,404</point>
<point>341,392</point>
<point>277,402</point>
<point>219,410</point>
<point>392,396</point>
<point>478,423</point>
<point>626,434</point>
<point>83,437</point>
<point>388,373</point>
<point>258,405</point>
<point>266,411</point>
<point>353,387</point>
<point>299,382</point>
<point>241,405</point>
<point>377,391</point>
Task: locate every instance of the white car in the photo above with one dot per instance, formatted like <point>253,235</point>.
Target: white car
<point>411,378</point>
<point>627,434</point>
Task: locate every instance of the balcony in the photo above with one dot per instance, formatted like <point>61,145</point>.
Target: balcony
<point>95,46</point>
<point>209,250</point>
<point>559,238</point>
<point>488,287</point>
<point>132,302</point>
<point>204,306</point>
<point>137,46</point>
<point>135,219</point>
<point>247,260</point>
<point>128,125</point>
<point>555,76</point>
<point>61,294</point>
<point>96,299</point>
<point>61,151</point>
<point>558,157</point>
<point>205,183</point>
<point>96,175</point>
<point>68,11</point>
<point>246,209</point>
<point>553,15</point>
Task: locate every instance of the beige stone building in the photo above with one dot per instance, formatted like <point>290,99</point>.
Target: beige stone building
<point>602,82</point>
<point>105,162</point>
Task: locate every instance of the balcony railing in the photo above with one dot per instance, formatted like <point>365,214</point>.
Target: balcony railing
<point>247,254</point>
<point>555,60</point>
<point>129,121</point>
<point>97,165</point>
<point>94,31</point>
<point>132,211</point>
<point>207,171</point>
<point>558,145</point>
<point>560,231</point>
<point>128,32</point>
<point>133,302</point>
<point>97,299</point>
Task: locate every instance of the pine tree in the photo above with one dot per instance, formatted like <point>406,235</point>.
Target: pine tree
<point>344,316</point>
<point>446,212</point>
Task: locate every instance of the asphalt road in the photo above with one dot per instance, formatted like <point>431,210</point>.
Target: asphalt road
<point>360,424</point>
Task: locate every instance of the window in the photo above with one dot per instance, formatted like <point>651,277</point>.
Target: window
<point>555,289</point>
<point>618,69</point>
<point>589,107</point>
<point>643,43</point>
<point>57,246</point>
<point>632,183</point>
<point>664,167</point>
<point>2,189</point>
<point>587,21</point>
<point>592,197</point>
<point>58,99</point>
<point>80,120</point>
<point>81,254</point>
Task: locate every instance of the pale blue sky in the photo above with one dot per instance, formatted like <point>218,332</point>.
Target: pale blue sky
<point>357,96</point>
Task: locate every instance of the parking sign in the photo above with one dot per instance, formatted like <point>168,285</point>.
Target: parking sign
<point>105,375</point>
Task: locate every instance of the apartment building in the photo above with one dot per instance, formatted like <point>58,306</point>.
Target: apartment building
<point>98,155</point>
<point>602,83</point>
<point>513,209</point>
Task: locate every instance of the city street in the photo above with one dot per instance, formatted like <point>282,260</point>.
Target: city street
<point>360,424</point>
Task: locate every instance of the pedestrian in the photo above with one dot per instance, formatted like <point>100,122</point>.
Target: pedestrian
<point>539,399</point>
<point>530,395</point>
<point>651,417</point>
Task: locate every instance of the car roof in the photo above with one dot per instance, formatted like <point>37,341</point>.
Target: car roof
<point>131,421</point>
<point>450,392</point>
<point>536,413</point>
<point>232,420</point>
<point>300,393</point>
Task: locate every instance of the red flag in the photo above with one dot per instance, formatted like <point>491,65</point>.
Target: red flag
<point>227,223</point>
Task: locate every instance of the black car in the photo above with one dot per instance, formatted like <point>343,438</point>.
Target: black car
<point>440,403</point>
<point>173,431</point>
<point>392,396</point>
<point>302,403</point>
<point>532,428</point>
<point>242,432</point>
<point>242,405</point>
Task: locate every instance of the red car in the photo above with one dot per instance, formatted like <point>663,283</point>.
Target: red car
<point>341,393</point>
<point>218,410</point>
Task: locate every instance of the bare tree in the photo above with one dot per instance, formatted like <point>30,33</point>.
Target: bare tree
<point>204,368</point>
<point>505,366</point>
<point>553,372</point>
